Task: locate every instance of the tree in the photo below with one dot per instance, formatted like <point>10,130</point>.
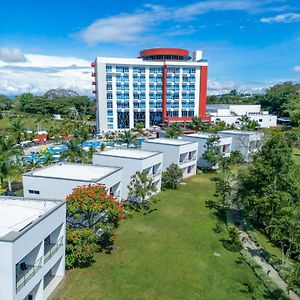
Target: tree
<point>172,176</point>
<point>198,124</point>
<point>75,153</point>
<point>139,127</point>
<point>128,137</point>
<point>269,193</point>
<point>213,152</point>
<point>81,243</point>
<point>141,187</point>
<point>17,129</point>
<point>91,207</point>
<point>10,155</point>
<point>173,131</point>
<point>247,124</point>
<point>294,278</point>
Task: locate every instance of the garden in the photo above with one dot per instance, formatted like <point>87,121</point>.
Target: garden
<point>170,251</point>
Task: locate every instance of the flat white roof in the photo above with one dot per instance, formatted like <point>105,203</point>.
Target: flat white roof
<point>166,141</point>
<point>239,132</point>
<point>74,171</point>
<point>15,214</point>
<point>128,153</point>
<point>200,135</point>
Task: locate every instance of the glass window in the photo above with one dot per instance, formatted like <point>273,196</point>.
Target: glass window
<point>108,86</point>
<point>109,104</point>
<point>110,120</point>
<point>109,112</point>
<point>108,78</point>
<point>110,126</point>
<point>109,96</point>
<point>108,68</point>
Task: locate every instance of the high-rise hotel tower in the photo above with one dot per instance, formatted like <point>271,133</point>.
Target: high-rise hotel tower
<point>162,85</point>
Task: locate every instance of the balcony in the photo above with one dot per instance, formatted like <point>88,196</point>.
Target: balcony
<point>93,74</point>
<point>93,64</point>
<point>51,249</point>
<point>25,273</point>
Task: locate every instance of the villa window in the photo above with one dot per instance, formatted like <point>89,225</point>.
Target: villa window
<point>34,192</point>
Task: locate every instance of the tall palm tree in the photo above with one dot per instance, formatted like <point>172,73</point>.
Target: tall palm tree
<point>128,137</point>
<point>17,129</point>
<point>10,156</point>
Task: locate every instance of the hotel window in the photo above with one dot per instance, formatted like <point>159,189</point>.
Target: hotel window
<point>108,68</point>
<point>122,69</point>
<point>110,126</point>
<point>34,192</point>
<point>109,104</point>
<point>109,87</point>
<point>155,70</point>
<point>108,78</point>
<point>109,96</point>
<point>110,120</point>
<point>138,70</point>
<point>110,113</point>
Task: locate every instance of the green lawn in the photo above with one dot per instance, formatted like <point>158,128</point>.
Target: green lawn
<point>296,155</point>
<point>167,254</point>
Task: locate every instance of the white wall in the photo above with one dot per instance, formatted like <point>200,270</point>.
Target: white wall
<point>130,167</point>
<point>55,188</point>
<point>171,155</point>
<point>33,238</point>
<point>247,144</point>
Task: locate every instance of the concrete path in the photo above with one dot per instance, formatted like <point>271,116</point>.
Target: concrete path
<point>255,253</point>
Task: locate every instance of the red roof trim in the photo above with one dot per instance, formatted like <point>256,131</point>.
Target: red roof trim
<point>164,51</point>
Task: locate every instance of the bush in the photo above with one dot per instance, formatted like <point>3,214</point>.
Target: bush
<point>80,247</point>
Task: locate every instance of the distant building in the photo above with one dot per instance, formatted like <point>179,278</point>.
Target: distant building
<point>201,139</point>
<point>176,151</point>
<point>231,114</point>
<point>162,85</point>
<point>246,142</point>
<point>132,161</point>
<point>32,247</point>
<point>58,180</point>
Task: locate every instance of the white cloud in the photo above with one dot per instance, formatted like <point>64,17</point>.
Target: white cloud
<point>297,68</point>
<point>40,73</point>
<point>282,18</point>
<point>217,87</point>
<point>11,55</point>
<point>135,27</point>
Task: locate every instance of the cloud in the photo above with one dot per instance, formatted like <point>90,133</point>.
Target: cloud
<point>216,87</point>
<point>297,68</point>
<point>282,18</point>
<point>11,55</point>
<point>39,73</point>
<point>135,27</point>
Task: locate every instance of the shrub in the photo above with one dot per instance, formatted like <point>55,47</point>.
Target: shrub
<point>80,247</point>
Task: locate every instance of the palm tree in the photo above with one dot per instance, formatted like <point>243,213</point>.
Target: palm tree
<point>82,131</point>
<point>128,137</point>
<point>17,129</point>
<point>9,160</point>
<point>75,153</point>
<point>173,131</point>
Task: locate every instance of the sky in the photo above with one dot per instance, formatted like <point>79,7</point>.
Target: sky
<point>250,44</point>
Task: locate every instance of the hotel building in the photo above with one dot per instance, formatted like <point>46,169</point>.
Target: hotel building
<point>160,86</point>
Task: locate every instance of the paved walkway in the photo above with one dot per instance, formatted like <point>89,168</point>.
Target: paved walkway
<point>255,253</point>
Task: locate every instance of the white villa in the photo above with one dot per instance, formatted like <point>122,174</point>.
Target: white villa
<point>180,152</point>
<point>58,180</point>
<point>32,247</point>
<point>132,161</point>
<point>201,139</point>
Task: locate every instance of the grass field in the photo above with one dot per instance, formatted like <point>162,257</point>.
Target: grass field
<point>166,254</point>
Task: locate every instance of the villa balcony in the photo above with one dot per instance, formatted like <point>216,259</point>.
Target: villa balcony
<point>25,272</point>
<point>50,249</point>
